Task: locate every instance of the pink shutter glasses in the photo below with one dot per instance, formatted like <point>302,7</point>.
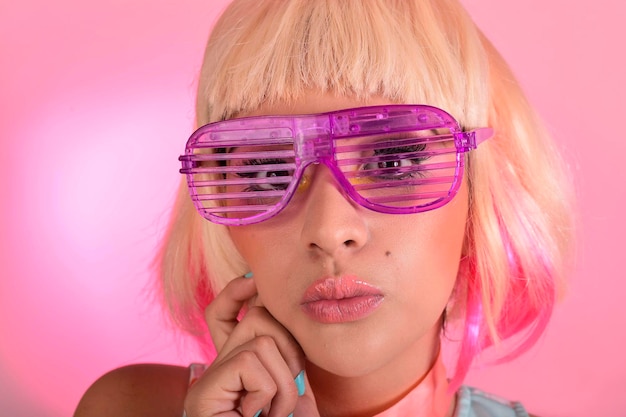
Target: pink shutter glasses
<point>393,159</point>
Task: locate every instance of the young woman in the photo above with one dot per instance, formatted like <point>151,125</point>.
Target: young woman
<point>375,179</point>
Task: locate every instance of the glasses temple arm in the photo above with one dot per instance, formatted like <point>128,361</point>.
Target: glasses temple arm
<point>481,134</point>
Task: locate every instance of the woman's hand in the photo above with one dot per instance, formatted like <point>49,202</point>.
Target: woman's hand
<point>257,362</point>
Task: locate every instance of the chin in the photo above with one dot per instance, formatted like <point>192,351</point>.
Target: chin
<point>353,367</point>
<point>349,357</point>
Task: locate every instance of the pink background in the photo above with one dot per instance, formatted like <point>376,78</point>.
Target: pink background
<point>96,101</point>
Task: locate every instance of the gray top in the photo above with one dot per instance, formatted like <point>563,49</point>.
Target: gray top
<point>472,402</point>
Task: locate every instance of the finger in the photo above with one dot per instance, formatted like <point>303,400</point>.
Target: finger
<point>219,391</point>
<point>259,324</point>
<point>222,313</point>
<point>306,405</point>
<point>265,381</point>
<point>277,350</point>
<point>285,397</point>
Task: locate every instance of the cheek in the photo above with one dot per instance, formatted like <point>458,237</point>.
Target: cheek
<point>439,233</point>
<point>428,246</point>
<point>450,224</point>
<point>268,258</point>
<point>254,244</point>
<point>268,241</point>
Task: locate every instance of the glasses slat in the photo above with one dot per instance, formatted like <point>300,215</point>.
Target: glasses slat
<point>238,181</point>
<point>246,195</point>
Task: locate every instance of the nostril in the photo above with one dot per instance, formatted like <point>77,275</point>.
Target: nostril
<point>350,243</point>
<point>314,246</point>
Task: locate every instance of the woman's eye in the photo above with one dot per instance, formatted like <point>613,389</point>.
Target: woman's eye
<point>395,163</point>
<point>270,179</point>
<point>271,185</point>
<point>398,163</point>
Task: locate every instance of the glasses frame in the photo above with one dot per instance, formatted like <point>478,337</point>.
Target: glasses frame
<point>313,136</point>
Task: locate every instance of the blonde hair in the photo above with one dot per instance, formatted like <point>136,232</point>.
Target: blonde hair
<point>412,51</point>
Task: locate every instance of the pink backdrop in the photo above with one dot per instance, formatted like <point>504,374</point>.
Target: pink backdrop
<point>95,104</point>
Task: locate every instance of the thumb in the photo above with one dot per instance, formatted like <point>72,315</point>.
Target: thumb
<point>306,406</point>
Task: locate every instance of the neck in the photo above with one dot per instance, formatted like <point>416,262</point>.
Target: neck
<point>414,385</point>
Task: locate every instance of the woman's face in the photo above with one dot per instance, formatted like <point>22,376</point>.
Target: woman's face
<point>397,271</point>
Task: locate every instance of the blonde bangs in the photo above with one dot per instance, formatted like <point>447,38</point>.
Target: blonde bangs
<point>410,52</point>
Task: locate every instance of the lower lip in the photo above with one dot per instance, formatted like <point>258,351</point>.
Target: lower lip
<point>344,310</point>
<point>340,300</point>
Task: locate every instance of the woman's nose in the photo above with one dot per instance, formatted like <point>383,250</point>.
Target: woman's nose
<point>333,222</point>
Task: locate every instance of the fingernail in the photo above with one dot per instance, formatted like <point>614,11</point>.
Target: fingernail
<point>300,383</point>
<point>290,415</point>
<point>249,275</point>
<point>258,413</point>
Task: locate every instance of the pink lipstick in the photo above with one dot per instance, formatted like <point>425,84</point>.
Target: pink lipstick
<point>340,299</point>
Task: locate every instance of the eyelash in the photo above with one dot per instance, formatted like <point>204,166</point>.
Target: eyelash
<point>249,162</point>
<point>261,187</point>
<point>405,149</point>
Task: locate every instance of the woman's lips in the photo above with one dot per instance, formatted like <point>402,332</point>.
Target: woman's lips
<point>340,299</point>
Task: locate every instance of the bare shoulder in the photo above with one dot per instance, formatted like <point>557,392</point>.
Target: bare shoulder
<point>137,390</point>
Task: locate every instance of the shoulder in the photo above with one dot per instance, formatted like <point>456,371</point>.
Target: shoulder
<point>472,402</point>
<point>137,390</point>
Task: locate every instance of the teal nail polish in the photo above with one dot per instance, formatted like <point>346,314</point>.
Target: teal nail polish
<point>290,415</point>
<point>258,413</point>
<point>300,383</point>
<point>249,275</point>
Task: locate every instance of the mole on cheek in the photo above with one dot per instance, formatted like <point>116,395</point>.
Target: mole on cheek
<point>387,253</point>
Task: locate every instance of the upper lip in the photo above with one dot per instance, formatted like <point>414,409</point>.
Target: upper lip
<point>338,288</point>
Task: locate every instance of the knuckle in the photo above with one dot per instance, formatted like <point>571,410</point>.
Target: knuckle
<point>246,358</point>
<point>268,389</point>
<point>256,313</point>
<point>264,343</point>
<point>290,390</point>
